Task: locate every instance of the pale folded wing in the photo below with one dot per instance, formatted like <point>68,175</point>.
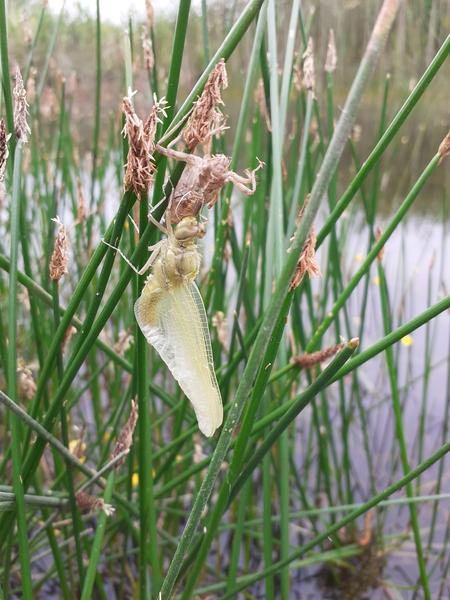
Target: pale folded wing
<point>174,322</point>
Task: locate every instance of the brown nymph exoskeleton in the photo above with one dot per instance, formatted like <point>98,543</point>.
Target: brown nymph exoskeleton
<point>201,182</point>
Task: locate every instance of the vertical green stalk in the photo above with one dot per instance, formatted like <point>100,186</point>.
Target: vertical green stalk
<point>386,312</point>
<point>96,549</point>
<point>98,83</point>
<point>16,449</point>
<point>148,545</point>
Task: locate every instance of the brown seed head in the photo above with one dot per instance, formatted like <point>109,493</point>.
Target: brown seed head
<point>20,109</point>
<point>307,262</point>
<point>125,438</point>
<point>444,148</point>
<point>147,47</point>
<point>141,138</point>
<point>206,118</point>
<point>309,80</point>
<point>81,203</point>
<point>59,259</point>
<point>331,58</point>
<point>91,503</point>
<point>308,360</point>
<point>149,13</point>
<point>4,152</point>
<point>27,385</point>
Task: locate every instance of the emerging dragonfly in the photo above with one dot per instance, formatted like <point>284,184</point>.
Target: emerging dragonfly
<point>172,317</point>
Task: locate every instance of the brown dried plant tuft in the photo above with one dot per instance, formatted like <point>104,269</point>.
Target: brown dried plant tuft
<point>331,58</point>
<point>91,503</point>
<point>308,360</point>
<point>21,126</point>
<point>59,259</point>
<point>147,47</point>
<point>206,118</point>
<point>141,138</point>
<point>125,438</point>
<point>309,79</point>
<point>4,153</point>
<point>81,203</point>
<point>27,384</point>
<point>307,262</point>
<point>149,13</point>
<point>444,148</point>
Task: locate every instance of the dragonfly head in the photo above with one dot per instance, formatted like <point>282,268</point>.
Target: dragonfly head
<point>189,228</point>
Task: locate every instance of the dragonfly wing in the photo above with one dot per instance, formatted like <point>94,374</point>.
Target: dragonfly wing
<point>174,322</point>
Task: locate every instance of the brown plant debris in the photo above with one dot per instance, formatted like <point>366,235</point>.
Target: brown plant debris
<point>59,258</point>
<point>125,438</point>
<point>206,118</point>
<point>309,79</point>
<point>141,138</point>
<point>331,58</point>
<point>308,360</point>
<point>307,262</point>
<point>202,180</point>
<point>91,503</point>
<point>444,148</point>
<point>21,126</point>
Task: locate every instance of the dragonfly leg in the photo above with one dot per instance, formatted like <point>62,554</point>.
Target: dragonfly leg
<point>129,263</point>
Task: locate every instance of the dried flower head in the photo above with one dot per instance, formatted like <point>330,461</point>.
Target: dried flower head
<point>307,262</point>
<point>331,58</point>
<point>125,438</point>
<point>309,80</point>
<point>91,503</point>
<point>4,153</point>
<point>141,139</point>
<point>59,259</point>
<point>20,109</point>
<point>147,47</point>
<point>27,385</point>
<point>444,148</point>
<point>308,360</point>
<point>206,118</point>
<point>202,181</point>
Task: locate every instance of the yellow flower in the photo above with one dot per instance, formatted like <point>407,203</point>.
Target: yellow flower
<point>407,340</point>
<point>135,480</point>
<point>376,280</point>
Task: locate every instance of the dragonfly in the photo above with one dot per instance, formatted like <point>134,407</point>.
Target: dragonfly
<point>172,317</point>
